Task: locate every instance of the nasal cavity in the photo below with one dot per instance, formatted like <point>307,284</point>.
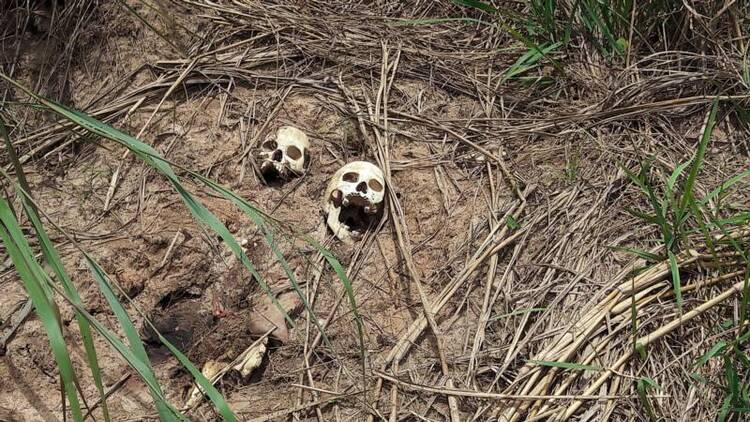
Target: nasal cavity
<point>277,155</point>
<point>362,187</point>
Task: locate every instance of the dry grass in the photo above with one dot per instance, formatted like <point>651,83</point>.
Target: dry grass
<point>501,251</point>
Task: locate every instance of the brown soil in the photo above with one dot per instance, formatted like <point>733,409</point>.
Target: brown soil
<point>199,297</point>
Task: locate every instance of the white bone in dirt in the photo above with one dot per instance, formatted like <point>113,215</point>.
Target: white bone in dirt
<point>354,195</point>
<point>285,153</point>
<point>251,358</point>
<point>210,370</point>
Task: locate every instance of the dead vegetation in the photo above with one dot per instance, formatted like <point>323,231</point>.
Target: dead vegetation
<point>523,268</point>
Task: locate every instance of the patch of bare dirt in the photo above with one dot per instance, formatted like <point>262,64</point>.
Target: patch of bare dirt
<point>510,261</point>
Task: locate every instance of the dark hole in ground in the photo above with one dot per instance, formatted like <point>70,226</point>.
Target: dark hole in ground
<point>182,325</point>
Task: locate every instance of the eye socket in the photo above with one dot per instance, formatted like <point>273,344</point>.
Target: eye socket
<point>350,177</point>
<point>270,144</point>
<point>293,152</point>
<point>375,185</point>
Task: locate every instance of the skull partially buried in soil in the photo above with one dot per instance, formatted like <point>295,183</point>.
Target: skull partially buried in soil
<point>284,154</point>
<point>354,199</point>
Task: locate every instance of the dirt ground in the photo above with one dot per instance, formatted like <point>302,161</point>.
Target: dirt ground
<point>512,197</point>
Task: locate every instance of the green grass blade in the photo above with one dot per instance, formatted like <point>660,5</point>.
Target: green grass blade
<point>32,276</point>
<point>642,386</point>
<point>676,284</point>
<point>688,194</point>
<point>660,207</point>
<point>669,195</point>
<point>634,318</point>
<point>528,60</point>
<point>726,407</point>
<point>636,178</point>
<point>687,207</point>
<point>745,298</point>
<point>598,21</point>
<point>739,219</point>
<point>507,28</point>
<point>205,385</point>
<point>134,340</point>
<point>660,213</point>
<point>544,11</point>
<point>713,351</point>
<point>202,214</point>
<point>511,222</point>
<point>732,377</point>
<point>648,256</point>
<point>724,186</point>
<point>135,362</point>
<point>642,181</point>
<point>53,259</point>
<point>743,112</point>
<point>672,180</point>
<point>648,218</point>
<point>137,351</point>
<point>742,357</point>
<point>698,216</point>
<point>349,289</point>
<point>260,220</point>
<point>136,354</point>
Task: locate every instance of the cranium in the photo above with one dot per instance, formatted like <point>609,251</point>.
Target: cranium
<point>353,198</point>
<point>284,154</point>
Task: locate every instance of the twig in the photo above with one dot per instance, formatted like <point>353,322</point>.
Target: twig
<point>111,390</point>
<point>502,397</point>
<point>16,321</point>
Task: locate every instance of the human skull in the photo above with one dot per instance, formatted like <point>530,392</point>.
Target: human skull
<point>284,154</point>
<point>353,199</point>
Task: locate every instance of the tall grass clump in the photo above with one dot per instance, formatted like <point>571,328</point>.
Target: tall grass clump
<point>616,29</point>
<point>674,206</point>
<point>681,218</point>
